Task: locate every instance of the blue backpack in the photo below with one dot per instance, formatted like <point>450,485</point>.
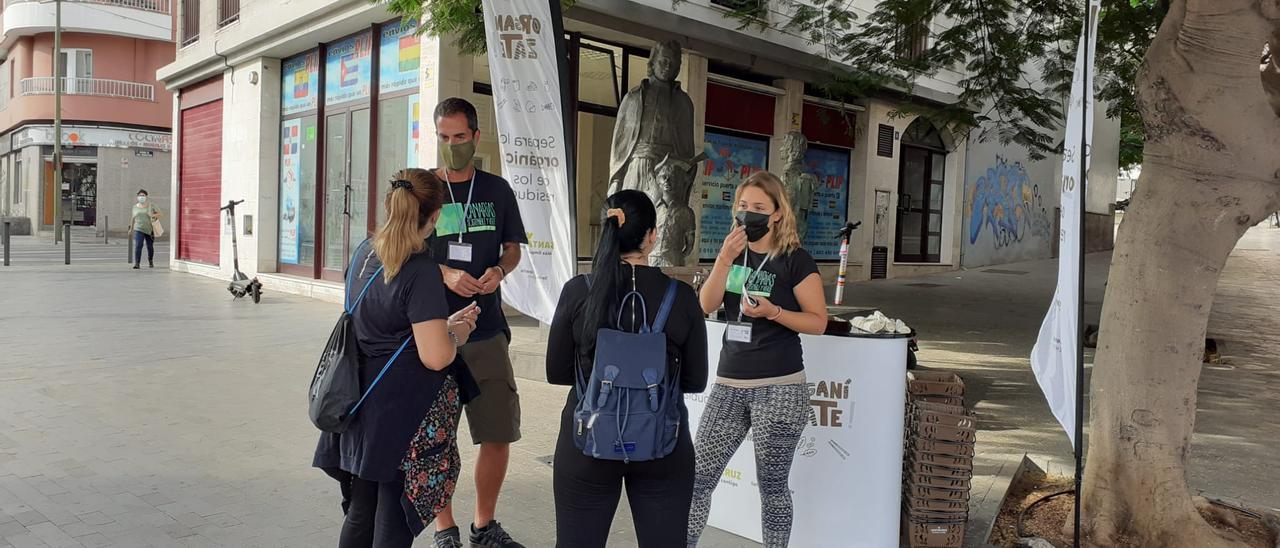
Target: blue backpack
<point>629,410</point>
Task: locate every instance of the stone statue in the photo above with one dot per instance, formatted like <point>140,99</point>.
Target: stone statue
<point>801,185</point>
<point>655,119</point>
<point>676,220</point>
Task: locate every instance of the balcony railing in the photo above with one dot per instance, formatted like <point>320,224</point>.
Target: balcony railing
<point>228,12</point>
<point>97,87</point>
<point>190,22</point>
<point>157,6</point>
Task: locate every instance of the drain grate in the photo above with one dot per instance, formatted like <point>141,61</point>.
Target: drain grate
<point>1009,272</point>
<point>925,285</point>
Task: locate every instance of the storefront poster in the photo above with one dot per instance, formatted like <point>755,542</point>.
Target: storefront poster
<point>830,209</point>
<point>300,83</point>
<point>527,95</point>
<point>399,57</point>
<point>415,106</point>
<point>348,69</point>
<point>290,189</point>
<point>730,160</point>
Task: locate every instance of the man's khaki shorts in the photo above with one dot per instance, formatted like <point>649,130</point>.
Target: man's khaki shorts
<point>494,416</point>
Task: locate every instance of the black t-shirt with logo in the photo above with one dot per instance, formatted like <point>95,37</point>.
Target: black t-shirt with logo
<point>493,218</point>
<point>774,350</point>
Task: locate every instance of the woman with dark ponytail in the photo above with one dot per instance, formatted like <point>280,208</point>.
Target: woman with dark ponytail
<point>587,490</point>
<point>398,459</point>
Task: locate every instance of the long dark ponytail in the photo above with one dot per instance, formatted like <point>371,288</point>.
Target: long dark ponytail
<point>628,218</point>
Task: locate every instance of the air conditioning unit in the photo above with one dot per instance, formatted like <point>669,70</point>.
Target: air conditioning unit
<point>756,8</point>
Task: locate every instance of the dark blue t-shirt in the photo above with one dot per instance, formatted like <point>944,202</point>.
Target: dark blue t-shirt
<point>492,219</point>
<point>375,442</point>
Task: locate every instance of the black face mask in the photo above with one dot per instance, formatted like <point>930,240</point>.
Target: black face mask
<point>757,224</point>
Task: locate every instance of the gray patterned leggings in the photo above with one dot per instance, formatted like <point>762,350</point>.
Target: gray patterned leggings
<point>777,416</point>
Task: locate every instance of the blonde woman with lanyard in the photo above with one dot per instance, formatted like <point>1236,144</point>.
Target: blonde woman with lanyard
<point>760,382</point>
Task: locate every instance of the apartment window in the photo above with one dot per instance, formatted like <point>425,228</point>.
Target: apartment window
<point>228,12</point>
<point>756,8</point>
<point>190,21</point>
<point>912,40</point>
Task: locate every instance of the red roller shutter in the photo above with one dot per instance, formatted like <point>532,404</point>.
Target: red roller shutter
<point>200,183</point>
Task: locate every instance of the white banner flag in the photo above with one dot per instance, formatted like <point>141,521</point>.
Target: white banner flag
<point>1053,359</point>
<point>524,69</point>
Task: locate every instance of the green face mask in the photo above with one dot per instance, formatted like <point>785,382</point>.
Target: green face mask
<point>458,156</point>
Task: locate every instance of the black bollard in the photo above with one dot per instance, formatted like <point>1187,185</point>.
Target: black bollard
<point>106,229</point>
<point>128,256</point>
<point>66,242</point>
<point>5,240</point>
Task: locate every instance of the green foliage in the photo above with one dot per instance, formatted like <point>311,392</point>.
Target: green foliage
<point>1015,57</point>
<point>460,19</point>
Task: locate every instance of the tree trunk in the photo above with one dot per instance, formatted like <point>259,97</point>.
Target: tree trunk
<point>1210,173</point>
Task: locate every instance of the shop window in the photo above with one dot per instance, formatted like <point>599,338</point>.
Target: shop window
<point>298,191</point>
<point>399,135</point>
<point>17,181</point>
<point>598,75</point>
<point>731,158</point>
<point>348,69</point>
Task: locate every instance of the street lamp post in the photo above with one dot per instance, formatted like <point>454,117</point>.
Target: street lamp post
<point>57,119</point>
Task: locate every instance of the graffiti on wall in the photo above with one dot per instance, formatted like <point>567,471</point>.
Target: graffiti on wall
<point>1005,201</point>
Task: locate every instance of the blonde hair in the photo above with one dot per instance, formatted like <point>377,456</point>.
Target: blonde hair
<point>415,196</point>
<point>786,238</point>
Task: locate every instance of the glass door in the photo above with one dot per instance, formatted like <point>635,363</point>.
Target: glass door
<point>346,196</point>
<point>920,190</point>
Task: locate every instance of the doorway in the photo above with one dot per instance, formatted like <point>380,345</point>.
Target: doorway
<point>346,181</point>
<point>921,184</point>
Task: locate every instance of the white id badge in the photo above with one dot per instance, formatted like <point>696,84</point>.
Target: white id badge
<point>459,251</point>
<point>739,332</point>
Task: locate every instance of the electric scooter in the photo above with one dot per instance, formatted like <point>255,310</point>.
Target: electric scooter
<point>842,274</point>
<point>241,285</point>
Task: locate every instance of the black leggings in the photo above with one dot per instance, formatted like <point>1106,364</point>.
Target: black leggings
<point>587,491</point>
<point>375,519</point>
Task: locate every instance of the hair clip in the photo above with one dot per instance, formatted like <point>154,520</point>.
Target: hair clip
<point>616,212</point>
<point>401,183</point>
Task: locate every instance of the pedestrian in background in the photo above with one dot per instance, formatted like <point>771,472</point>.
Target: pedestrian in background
<point>772,292</point>
<point>587,489</point>
<point>399,455</point>
<point>145,221</point>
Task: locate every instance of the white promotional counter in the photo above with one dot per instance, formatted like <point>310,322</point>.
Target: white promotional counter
<point>846,481</point>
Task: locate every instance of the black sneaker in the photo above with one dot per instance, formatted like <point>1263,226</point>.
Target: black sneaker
<point>136,266</point>
<point>151,264</point>
<point>449,538</point>
<point>492,536</point>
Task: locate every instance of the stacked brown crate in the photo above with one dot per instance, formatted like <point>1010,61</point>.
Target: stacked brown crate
<point>938,461</point>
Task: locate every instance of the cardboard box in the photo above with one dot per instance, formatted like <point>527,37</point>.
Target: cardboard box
<point>939,459</point>
<point>956,401</point>
<point>935,383</point>
<point>915,479</point>
<point>929,413</point>
<point>936,493</point>
<point>917,467</point>
<point>933,535</point>
<point>944,433</point>
<point>938,505</point>
<point>942,447</point>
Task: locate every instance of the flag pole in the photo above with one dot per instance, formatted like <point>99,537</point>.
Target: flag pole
<point>1087,98</point>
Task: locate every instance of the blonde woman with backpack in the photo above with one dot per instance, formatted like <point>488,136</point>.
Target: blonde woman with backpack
<point>587,489</point>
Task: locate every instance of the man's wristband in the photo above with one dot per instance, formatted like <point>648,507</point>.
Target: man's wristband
<point>503,271</point>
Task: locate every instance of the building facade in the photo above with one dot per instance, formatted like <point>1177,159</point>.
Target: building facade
<point>116,118</point>
<point>305,109</point>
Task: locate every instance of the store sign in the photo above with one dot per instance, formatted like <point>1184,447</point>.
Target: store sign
<point>299,83</point>
<point>290,189</point>
<point>830,208</point>
<point>730,160</point>
<point>94,137</point>
<point>414,119</point>
<point>348,69</point>
<point>399,56</point>
<point>1053,359</point>
<point>525,72</point>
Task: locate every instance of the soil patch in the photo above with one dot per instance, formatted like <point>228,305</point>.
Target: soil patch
<point>1050,519</point>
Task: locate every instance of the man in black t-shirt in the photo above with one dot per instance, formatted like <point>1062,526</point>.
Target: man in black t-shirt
<point>477,243</point>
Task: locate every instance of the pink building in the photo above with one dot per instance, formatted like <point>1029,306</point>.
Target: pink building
<point>116,119</point>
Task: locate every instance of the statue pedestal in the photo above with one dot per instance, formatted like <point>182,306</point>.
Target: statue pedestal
<point>686,273</point>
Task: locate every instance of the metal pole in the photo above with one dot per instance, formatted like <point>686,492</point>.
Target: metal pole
<point>5,237</point>
<point>66,242</point>
<point>57,113</point>
<point>106,229</point>
<point>1087,98</point>
<point>128,256</point>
